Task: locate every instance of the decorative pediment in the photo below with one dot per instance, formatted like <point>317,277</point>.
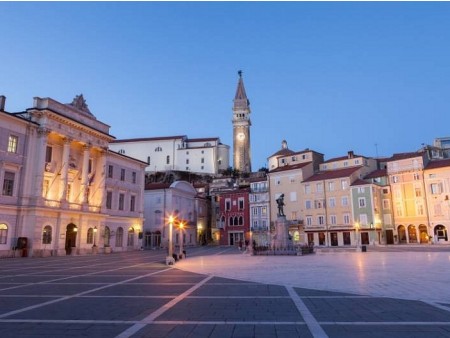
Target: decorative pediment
<point>80,103</point>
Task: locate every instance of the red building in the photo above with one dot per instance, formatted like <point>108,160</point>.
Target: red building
<point>234,217</point>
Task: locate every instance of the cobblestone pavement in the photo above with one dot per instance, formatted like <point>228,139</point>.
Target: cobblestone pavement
<point>215,293</point>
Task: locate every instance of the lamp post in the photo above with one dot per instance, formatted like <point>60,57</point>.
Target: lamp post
<point>357,235</point>
<point>181,226</point>
<point>171,220</point>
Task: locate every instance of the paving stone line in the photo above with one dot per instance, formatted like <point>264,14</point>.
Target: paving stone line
<point>76,295</point>
<point>311,322</point>
<point>150,318</point>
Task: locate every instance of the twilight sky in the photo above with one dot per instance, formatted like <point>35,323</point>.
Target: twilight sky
<point>373,77</point>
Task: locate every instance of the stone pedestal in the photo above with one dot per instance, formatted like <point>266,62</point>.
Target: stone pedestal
<point>281,236</point>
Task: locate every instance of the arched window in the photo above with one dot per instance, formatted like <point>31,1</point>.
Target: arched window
<point>236,222</point>
<point>241,220</point>
<point>3,233</point>
<point>119,237</point>
<point>222,221</point>
<point>90,236</point>
<point>107,235</point>
<point>130,241</point>
<point>231,220</point>
<point>47,235</point>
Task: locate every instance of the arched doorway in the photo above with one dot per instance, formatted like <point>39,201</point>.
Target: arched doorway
<point>441,233</point>
<point>71,238</point>
<point>401,234</point>
<point>412,233</point>
<point>423,234</point>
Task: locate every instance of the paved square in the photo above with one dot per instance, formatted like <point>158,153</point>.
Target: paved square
<point>221,292</point>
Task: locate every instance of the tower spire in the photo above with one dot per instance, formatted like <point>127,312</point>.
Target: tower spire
<point>240,99</point>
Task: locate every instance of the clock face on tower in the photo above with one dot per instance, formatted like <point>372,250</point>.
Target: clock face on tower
<point>241,136</point>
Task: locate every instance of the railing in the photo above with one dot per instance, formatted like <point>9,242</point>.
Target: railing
<point>290,250</point>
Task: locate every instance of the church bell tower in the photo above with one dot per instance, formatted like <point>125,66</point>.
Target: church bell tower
<point>241,129</point>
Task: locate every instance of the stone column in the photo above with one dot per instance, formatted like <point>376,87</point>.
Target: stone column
<point>84,175</point>
<point>64,170</point>
<point>41,147</point>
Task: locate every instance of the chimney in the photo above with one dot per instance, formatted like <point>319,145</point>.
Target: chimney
<point>351,154</point>
<point>2,102</point>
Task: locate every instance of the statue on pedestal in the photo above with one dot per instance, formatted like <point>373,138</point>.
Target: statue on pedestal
<point>280,203</point>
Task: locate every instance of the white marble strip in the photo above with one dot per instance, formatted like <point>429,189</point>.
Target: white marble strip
<point>311,322</point>
<point>150,318</point>
<point>76,295</point>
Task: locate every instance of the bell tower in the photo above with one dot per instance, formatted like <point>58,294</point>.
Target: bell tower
<point>241,129</point>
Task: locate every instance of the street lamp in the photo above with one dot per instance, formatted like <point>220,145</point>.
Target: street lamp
<point>171,220</point>
<point>95,235</point>
<point>357,235</point>
<point>181,226</point>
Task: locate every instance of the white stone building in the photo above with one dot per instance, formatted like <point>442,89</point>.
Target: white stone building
<point>178,200</point>
<point>63,191</point>
<point>200,155</point>
<point>259,202</point>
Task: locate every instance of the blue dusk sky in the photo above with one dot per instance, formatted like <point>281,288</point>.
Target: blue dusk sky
<point>372,77</point>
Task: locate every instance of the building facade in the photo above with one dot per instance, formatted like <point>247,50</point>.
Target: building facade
<point>178,200</point>
<point>200,155</point>
<point>54,173</point>
<point>234,220</point>
<point>259,203</point>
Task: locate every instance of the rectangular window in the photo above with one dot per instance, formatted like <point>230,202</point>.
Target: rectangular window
<point>308,204</point>
<point>308,220</point>
<point>331,186</point>
<point>344,201</point>
<point>293,196</point>
<point>12,143</point>
<point>90,166</point>
<point>121,201</point>
<point>133,177</point>
<point>386,204</point>
<point>363,219</point>
<point>418,192</point>
<point>168,159</point>
<point>321,220</point>
<point>319,187</point>
<point>307,189</point>
<point>8,183</point>
<point>344,184</point>
<point>264,211</point>
<point>132,203</point>
<point>254,211</point>
<point>110,171</point>
<point>108,199</point>
<point>227,204</point>
<point>187,161</point>
<point>332,202</point>
<point>333,219</point>
<point>294,215</point>
<point>241,203</point>
<point>361,190</point>
<point>122,174</point>
<point>148,160</point>
<point>203,160</point>
<point>436,188</point>
<point>362,202</point>
<point>48,154</point>
<point>346,218</point>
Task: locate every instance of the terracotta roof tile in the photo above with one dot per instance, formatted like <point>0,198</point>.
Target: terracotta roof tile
<point>331,174</point>
<point>438,164</point>
<point>290,167</point>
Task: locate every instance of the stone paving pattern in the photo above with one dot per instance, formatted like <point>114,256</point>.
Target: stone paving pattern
<point>218,292</point>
